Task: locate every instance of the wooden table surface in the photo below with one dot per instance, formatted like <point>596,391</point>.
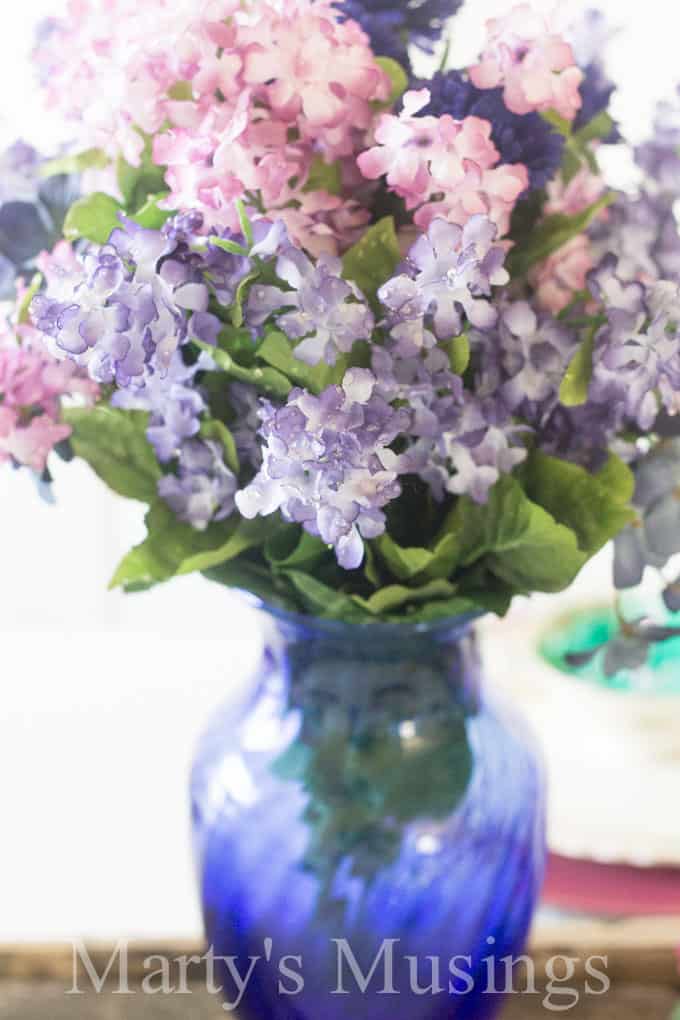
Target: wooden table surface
<point>642,966</point>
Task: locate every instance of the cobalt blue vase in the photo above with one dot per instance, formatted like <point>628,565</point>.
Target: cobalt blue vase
<point>369,827</point>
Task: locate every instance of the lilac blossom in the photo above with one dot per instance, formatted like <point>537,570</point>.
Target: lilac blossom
<point>469,459</point>
<point>135,301</point>
<point>174,401</point>
<point>203,489</point>
<point>519,138</point>
<point>450,271</point>
<point>327,464</point>
<point>655,536</point>
<point>327,314</point>
<point>535,354</point>
<point>392,27</point>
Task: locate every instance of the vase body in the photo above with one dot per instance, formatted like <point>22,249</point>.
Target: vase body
<point>367,804</point>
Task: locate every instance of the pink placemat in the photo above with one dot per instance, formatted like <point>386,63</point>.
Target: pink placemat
<point>611,889</point>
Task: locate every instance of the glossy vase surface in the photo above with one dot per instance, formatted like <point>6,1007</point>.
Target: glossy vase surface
<point>367,806</point>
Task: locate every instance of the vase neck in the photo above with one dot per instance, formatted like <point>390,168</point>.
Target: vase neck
<point>376,675</point>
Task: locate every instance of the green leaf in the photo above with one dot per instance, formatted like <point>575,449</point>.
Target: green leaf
<point>24,309</point>
<point>560,123</point>
<point>601,126</point>
<point>277,351</point>
<point>594,506</point>
<point>321,600</point>
<point>552,234</point>
<point>244,221</point>
<point>231,246</point>
<point>218,431</point>
<point>244,575</point>
<point>266,379</point>
<point>115,446</point>
<point>517,540</point>
<point>398,78</point>
<point>151,216</point>
<point>324,177</point>
<point>181,91</point>
<point>92,159</point>
<point>93,217</point>
<point>576,383</point>
<point>404,563</point>
<point>140,183</point>
<point>459,353</point>
<point>173,548</point>
<point>237,314</point>
<point>373,260</point>
<point>397,597</point>
<point>291,547</point>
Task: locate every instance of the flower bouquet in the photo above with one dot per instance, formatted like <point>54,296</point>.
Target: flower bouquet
<point>377,349</point>
<point>370,347</point>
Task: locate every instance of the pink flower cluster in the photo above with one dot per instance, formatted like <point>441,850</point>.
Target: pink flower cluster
<point>241,96</point>
<point>32,384</point>
<point>443,168</point>
<point>565,272</point>
<point>535,65</point>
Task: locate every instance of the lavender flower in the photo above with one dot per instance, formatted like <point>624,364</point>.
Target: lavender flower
<point>326,313</point>
<point>450,272</point>
<point>392,27</point>
<point>535,354</point>
<point>655,536</point>
<point>203,489</point>
<point>660,157</point>
<point>136,301</point>
<point>327,464</point>
<point>469,459</point>
<point>174,401</point>
<point>527,139</point>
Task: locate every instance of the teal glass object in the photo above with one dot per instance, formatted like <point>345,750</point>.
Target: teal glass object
<point>593,626</point>
<point>367,797</point>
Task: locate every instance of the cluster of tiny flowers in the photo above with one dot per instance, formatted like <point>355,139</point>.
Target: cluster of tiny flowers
<point>32,386</point>
<point>240,98</point>
<point>392,27</point>
<point>525,139</point>
<point>636,368</point>
<point>322,311</point>
<point>643,231</point>
<point>654,538</point>
<point>203,488</point>
<point>327,464</point>
<point>534,65</point>
<point>442,167</point>
<point>130,308</point>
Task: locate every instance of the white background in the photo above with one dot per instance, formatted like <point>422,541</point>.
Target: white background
<point>103,696</point>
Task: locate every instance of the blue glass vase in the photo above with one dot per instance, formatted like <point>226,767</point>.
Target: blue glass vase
<point>368,826</point>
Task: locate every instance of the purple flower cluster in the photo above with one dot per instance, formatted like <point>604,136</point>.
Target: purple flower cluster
<point>174,401</point>
<point>636,368</point>
<point>527,139</point>
<point>327,464</point>
<point>448,277</point>
<point>325,313</point>
<point>133,306</point>
<point>203,489</point>
<point>393,27</point>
